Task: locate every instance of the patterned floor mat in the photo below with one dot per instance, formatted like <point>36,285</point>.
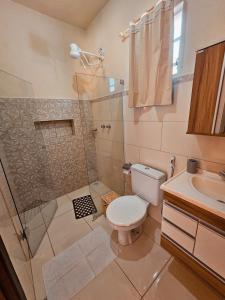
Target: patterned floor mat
<point>84,206</point>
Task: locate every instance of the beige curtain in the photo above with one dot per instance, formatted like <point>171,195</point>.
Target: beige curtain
<point>150,78</point>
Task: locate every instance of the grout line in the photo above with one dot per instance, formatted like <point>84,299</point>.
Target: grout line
<point>88,224</point>
<point>158,150</point>
<point>175,153</point>
<point>147,121</point>
<point>161,137</point>
<point>63,213</point>
<point>126,276</point>
<point>160,272</point>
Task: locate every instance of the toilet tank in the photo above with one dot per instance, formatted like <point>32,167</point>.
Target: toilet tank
<point>146,183</point>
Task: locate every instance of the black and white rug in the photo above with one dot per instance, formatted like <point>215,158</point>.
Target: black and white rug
<point>84,206</point>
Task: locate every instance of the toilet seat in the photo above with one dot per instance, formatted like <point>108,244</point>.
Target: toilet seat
<point>126,211</point>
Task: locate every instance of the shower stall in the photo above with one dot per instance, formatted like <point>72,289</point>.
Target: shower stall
<point>52,147</point>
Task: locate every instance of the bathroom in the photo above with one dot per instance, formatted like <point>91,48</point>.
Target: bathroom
<point>106,190</point>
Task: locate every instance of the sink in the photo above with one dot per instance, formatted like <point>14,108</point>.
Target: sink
<point>211,187</point>
<point>203,189</point>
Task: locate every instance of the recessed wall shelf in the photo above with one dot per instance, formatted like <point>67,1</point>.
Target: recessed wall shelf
<point>62,127</point>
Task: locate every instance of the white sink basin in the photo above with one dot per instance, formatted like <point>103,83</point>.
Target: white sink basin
<point>211,187</point>
<point>204,189</point>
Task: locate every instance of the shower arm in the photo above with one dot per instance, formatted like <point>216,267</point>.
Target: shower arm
<point>86,60</point>
<point>100,57</point>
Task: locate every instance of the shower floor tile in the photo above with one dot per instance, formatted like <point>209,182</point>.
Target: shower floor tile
<point>99,187</point>
<point>79,193</point>
<point>65,230</point>
<point>64,205</point>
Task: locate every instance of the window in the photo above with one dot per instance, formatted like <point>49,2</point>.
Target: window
<point>112,85</point>
<point>177,37</point>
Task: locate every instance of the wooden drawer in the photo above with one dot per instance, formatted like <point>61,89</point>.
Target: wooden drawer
<point>180,219</point>
<point>210,249</point>
<point>178,236</point>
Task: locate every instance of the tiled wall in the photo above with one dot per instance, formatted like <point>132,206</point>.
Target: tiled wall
<point>109,141</point>
<point>47,159</point>
<point>153,135</point>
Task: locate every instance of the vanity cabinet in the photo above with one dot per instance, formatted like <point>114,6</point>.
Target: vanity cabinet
<point>207,110</point>
<point>178,236</point>
<point>195,236</point>
<point>210,249</point>
<point>179,227</point>
<point>180,219</point>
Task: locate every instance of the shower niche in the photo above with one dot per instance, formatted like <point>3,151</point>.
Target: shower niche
<point>56,128</point>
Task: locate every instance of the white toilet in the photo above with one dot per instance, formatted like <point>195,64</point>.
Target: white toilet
<point>126,214</point>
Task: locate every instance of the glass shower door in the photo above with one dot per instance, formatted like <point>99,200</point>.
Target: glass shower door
<point>102,102</point>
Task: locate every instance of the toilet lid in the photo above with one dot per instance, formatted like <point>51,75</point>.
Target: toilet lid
<point>126,210</point>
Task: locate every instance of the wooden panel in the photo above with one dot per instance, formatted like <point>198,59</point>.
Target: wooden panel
<point>194,265</point>
<point>200,213</point>
<point>206,80</point>
<point>2,297</point>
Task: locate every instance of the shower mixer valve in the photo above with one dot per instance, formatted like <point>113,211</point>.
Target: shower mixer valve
<point>105,126</point>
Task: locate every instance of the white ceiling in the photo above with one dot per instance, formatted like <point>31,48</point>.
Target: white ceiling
<point>75,12</point>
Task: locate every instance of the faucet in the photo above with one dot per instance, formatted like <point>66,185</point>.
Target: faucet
<point>222,174</point>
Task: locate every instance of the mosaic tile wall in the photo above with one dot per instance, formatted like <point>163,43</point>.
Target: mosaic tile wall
<point>43,149</point>
<point>89,139</point>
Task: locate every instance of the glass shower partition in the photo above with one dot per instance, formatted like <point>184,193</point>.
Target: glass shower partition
<point>101,99</point>
<point>12,216</point>
<point>24,159</point>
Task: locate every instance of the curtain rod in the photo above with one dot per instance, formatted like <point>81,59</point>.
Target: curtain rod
<point>125,34</point>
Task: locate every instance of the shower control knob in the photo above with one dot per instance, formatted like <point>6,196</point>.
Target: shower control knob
<point>108,126</point>
<point>102,126</point>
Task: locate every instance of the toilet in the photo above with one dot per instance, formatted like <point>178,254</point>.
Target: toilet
<point>126,214</point>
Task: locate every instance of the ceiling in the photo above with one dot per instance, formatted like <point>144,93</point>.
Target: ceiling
<point>75,12</point>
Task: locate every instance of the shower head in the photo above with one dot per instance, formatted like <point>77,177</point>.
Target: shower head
<point>74,51</point>
<point>84,56</point>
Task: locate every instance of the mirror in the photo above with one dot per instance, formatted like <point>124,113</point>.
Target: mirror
<point>207,110</point>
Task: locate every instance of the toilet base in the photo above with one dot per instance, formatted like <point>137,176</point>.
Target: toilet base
<point>127,237</point>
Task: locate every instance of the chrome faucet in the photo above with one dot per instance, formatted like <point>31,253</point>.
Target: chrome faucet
<point>222,174</point>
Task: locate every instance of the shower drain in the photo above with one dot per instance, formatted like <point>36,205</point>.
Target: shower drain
<point>84,206</point>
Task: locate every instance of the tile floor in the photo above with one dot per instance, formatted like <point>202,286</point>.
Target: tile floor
<point>143,270</point>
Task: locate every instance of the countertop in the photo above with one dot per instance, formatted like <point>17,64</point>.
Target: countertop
<point>181,186</point>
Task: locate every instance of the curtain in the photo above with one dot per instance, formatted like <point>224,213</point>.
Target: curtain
<point>150,73</point>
